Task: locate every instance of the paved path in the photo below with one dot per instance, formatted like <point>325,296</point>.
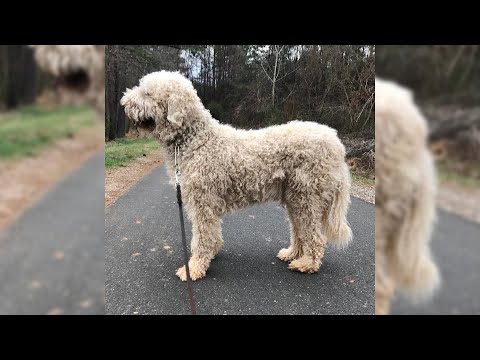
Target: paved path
<point>143,251</point>
<point>456,247</point>
<point>52,257</point>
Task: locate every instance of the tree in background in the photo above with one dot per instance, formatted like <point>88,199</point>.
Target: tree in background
<point>253,86</point>
<point>439,74</point>
<point>445,80</point>
<point>18,75</point>
<point>20,80</point>
<point>124,66</point>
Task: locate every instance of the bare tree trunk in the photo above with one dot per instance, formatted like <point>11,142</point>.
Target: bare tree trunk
<point>13,52</point>
<point>112,91</point>
<point>275,75</point>
<point>21,75</point>
<point>213,69</point>
<point>120,113</point>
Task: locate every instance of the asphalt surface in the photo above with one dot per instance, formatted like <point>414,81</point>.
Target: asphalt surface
<point>52,257</point>
<point>456,248</point>
<point>143,251</point>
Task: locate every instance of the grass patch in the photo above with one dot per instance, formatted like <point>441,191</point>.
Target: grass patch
<point>27,131</point>
<point>362,179</point>
<point>448,175</point>
<point>120,152</point>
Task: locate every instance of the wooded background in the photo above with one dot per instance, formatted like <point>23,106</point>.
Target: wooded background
<point>253,86</point>
<point>438,74</point>
<point>445,80</point>
<point>20,79</point>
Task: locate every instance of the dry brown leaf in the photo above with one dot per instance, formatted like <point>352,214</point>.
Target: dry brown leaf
<point>58,255</point>
<point>35,284</point>
<point>86,303</point>
<point>55,311</point>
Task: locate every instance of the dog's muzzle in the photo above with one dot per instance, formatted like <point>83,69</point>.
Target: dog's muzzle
<point>76,81</point>
<point>147,124</point>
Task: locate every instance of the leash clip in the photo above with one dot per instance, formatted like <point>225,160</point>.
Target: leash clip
<point>177,177</point>
<point>177,170</point>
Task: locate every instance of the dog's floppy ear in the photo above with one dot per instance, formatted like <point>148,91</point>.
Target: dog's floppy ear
<point>176,111</point>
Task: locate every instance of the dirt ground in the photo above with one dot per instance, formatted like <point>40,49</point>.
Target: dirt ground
<point>459,200</point>
<point>363,191</point>
<point>119,180</point>
<point>24,181</point>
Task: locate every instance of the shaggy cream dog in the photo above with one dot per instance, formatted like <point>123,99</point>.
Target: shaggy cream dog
<point>300,164</point>
<point>404,198</point>
<point>79,71</point>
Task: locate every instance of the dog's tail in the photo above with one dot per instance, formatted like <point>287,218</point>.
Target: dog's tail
<point>409,259</point>
<point>335,223</point>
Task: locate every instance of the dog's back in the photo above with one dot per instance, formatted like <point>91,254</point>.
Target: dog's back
<point>295,138</point>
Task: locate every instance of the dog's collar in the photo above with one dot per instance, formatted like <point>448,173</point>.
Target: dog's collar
<point>174,142</point>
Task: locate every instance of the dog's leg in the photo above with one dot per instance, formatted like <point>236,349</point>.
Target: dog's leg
<point>206,242</point>
<point>218,246</point>
<point>384,285</point>
<point>312,241</point>
<point>294,251</point>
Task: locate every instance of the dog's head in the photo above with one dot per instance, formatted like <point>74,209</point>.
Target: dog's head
<point>74,67</point>
<point>164,102</point>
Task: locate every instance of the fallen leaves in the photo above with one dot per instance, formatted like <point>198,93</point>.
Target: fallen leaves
<point>35,284</point>
<point>58,255</point>
<point>55,311</point>
<point>84,304</point>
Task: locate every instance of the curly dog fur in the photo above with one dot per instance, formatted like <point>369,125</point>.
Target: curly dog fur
<point>405,190</point>
<point>300,164</point>
<point>79,71</point>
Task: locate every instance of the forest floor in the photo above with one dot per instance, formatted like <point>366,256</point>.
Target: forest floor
<point>128,160</point>
<point>458,193</point>
<point>38,148</point>
<point>363,187</point>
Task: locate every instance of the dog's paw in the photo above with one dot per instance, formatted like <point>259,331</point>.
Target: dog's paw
<point>285,255</point>
<point>288,255</point>
<point>195,274</point>
<point>305,265</point>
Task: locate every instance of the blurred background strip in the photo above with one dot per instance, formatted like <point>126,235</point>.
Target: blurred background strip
<point>52,179</point>
<point>445,82</point>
